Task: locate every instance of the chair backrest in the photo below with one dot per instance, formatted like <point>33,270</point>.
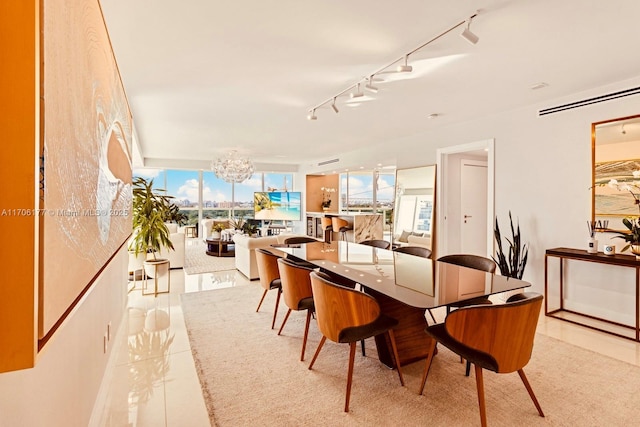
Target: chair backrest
<point>325,222</point>
<point>382,244</point>
<point>298,239</point>
<point>338,308</point>
<point>267,267</point>
<point>414,250</point>
<point>472,261</point>
<point>503,331</point>
<point>296,282</point>
<point>338,223</point>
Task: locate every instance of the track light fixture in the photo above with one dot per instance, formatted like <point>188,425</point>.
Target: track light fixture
<point>354,89</point>
<point>405,68</point>
<point>333,106</point>
<point>370,87</point>
<point>356,94</point>
<point>468,35</point>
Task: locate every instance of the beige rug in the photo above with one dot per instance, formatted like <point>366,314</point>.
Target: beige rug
<point>197,261</point>
<point>251,376</point>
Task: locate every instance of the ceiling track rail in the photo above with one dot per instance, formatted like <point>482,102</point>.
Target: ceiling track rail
<point>589,101</point>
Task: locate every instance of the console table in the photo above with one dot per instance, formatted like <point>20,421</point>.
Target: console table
<point>581,318</point>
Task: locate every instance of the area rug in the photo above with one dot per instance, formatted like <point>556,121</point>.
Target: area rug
<point>197,261</point>
<point>251,376</point>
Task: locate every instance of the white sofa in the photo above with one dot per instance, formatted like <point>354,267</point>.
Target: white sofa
<point>245,247</point>
<point>412,240</point>
<point>175,256</point>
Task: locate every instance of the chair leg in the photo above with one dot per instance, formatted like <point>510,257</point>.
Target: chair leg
<point>264,294</point>
<point>523,377</point>
<point>392,337</point>
<point>480,387</point>
<point>315,356</point>
<point>432,316</point>
<point>275,310</point>
<point>352,356</point>
<point>363,350</point>
<point>286,317</point>
<point>306,334</point>
<point>467,370</point>
<point>427,364</point>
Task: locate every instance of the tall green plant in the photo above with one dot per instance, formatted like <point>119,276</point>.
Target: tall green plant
<point>149,210</point>
<point>512,265</point>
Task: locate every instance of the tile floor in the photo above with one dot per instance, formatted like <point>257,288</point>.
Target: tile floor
<point>154,382</point>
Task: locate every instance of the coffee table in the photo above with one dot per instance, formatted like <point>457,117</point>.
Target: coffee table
<point>217,247</point>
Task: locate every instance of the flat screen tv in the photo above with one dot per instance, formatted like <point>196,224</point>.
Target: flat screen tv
<point>278,205</point>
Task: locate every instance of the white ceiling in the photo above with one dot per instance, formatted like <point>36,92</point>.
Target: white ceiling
<point>204,77</point>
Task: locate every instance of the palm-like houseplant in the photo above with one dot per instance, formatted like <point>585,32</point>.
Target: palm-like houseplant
<point>149,212</point>
<point>513,264</point>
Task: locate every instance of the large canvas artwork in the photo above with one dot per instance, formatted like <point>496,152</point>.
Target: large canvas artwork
<point>616,200</point>
<point>86,194</point>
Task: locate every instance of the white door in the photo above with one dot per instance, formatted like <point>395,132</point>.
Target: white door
<point>473,206</point>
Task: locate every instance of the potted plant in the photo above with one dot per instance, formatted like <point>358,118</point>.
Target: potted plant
<point>216,230</point>
<point>172,213</point>
<point>326,197</point>
<point>250,229</point>
<point>513,264</point>
<point>632,237</point>
<point>150,233</point>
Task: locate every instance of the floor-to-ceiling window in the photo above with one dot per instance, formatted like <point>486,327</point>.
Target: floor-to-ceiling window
<point>368,191</point>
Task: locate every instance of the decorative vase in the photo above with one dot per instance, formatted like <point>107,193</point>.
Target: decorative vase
<point>215,235</point>
<point>592,246</point>
<point>635,249</point>
<point>325,209</point>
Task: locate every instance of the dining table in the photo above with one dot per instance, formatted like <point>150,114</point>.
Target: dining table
<point>404,285</point>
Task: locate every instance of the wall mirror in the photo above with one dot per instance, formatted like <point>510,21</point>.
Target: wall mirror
<point>414,205</point>
<point>615,150</point>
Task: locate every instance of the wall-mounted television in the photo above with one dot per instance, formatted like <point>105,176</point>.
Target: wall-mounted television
<point>278,205</point>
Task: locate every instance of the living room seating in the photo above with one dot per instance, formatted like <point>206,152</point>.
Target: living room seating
<point>347,316</point>
<point>175,255</point>
<point>245,247</point>
<point>494,337</point>
<point>296,289</point>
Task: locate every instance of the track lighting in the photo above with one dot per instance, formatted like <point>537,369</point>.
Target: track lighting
<point>333,106</point>
<point>370,87</point>
<point>405,68</point>
<point>354,90</point>
<point>357,93</point>
<point>468,35</point>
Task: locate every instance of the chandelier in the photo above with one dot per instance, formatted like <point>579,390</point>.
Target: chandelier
<point>233,168</point>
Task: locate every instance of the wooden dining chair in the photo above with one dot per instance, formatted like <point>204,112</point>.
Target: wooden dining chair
<point>347,316</point>
<point>420,251</point>
<point>494,337</point>
<point>476,262</point>
<point>296,290</point>
<point>327,228</point>
<point>376,243</point>
<point>269,277</point>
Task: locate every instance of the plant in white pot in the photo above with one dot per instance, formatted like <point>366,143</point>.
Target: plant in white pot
<point>216,230</point>
<point>150,233</point>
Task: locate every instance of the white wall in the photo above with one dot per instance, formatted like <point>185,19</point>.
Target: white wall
<point>543,175</point>
<point>62,388</point>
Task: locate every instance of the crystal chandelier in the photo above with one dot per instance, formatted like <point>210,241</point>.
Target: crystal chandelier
<point>233,168</point>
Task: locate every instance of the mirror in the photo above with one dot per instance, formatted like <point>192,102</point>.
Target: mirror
<point>414,206</point>
<point>615,187</point>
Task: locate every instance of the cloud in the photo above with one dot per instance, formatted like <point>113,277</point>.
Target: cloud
<point>147,173</point>
<point>189,190</point>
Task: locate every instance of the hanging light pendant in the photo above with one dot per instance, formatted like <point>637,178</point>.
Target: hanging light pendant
<point>233,168</point>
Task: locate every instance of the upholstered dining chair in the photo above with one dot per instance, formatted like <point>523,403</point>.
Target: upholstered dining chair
<point>476,262</point>
<point>341,226</point>
<point>269,277</point>
<point>494,337</point>
<point>345,315</point>
<point>414,250</point>
<point>376,243</point>
<point>296,290</point>
<point>299,239</point>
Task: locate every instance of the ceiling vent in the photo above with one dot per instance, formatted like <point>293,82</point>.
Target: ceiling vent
<point>589,101</point>
<point>328,162</point>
